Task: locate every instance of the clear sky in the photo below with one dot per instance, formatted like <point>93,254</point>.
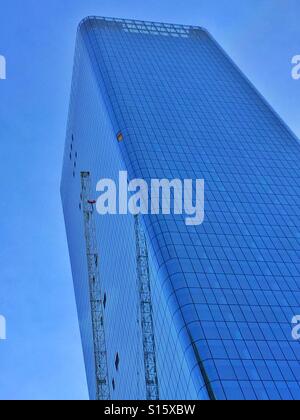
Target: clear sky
<point>42,357</point>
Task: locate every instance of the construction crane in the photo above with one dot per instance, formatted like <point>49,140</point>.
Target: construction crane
<point>144,291</point>
<point>100,352</point>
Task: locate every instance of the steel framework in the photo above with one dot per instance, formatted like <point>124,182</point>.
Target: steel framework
<point>100,352</point>
<point>144,290</point>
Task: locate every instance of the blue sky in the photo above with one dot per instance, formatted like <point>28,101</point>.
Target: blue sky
<point>42,357</point>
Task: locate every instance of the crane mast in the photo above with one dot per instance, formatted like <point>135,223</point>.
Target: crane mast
<point>96,301</point>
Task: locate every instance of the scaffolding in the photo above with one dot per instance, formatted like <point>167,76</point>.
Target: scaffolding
<point>97,309</point>
<point>144,290</point>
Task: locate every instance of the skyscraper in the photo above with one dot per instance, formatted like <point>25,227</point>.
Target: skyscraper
<point>167,310</point>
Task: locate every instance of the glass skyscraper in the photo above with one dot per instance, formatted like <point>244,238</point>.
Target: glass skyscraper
<point>165,101</point>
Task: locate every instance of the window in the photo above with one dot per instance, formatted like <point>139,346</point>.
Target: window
<point>120,137</point>
<point>117,362</point>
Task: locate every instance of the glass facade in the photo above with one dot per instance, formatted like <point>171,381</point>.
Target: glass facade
<point>223,293</point>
